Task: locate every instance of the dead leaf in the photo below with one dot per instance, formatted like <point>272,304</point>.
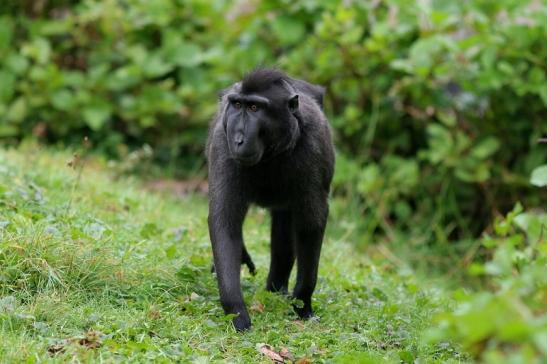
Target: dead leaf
<point>154,313</point>
<point>92,339</point>
<point>299,323</point>
<point>303,361</point>
<point>75,161</point>
<point>270,353</point>
<point>56,348</point>
<point>286,354</point>
<point>257,307</point>
<point>40,130</point>
<point>120,275</point>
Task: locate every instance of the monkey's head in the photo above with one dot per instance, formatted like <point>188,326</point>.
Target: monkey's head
<point>261,117</point>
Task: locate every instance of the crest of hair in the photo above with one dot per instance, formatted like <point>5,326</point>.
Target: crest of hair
<point>261,79</point>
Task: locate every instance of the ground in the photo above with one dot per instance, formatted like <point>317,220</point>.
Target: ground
<point>97,268</point>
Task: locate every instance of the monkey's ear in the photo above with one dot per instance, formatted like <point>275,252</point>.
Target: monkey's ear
<point>316,92</point>
<point>293,103</point>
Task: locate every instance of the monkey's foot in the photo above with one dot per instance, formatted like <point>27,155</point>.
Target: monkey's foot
<point>242,323</point>
<point>303,312</point>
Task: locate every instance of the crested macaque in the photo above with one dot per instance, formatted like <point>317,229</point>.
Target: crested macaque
<point>269,144</point>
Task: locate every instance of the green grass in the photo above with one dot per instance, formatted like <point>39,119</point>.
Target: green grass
<point>93,268</point>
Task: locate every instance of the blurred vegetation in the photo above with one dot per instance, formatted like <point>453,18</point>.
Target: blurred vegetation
<point>437,106</point>
<point>503,319</point>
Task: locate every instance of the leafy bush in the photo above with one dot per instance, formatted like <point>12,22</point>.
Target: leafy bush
<point>506,317</point>
<point>437,106</point>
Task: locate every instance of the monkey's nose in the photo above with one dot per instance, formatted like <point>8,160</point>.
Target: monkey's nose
<point>238,139</point>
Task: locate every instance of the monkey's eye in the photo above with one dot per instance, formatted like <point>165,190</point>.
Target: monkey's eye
<point>237,105</point>
<point>253,108</point>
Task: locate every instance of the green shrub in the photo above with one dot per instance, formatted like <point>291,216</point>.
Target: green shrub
<point>437,106</point>
<point>504,319</point>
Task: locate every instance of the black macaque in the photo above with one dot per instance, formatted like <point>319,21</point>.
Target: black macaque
<point>269,144</point>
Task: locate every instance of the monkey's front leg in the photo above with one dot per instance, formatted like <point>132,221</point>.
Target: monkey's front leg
<point>225,230</point>
<point>310,230</point>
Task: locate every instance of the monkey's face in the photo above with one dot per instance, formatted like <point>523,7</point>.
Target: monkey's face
<point>260,125</point>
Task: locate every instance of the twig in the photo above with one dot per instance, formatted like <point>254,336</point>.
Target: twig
<point>77,163</point>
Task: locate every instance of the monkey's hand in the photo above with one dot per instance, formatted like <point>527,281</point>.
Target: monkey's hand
<point>248,262</point>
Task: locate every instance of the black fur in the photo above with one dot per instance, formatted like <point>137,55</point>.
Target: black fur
<point>261,79</point>
<point>269,144</point>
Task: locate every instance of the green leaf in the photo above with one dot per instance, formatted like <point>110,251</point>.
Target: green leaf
<point>39,49</point>
<point>7,88</point>
<point>124,77</point>
<point>532,224</point>
<point>6,33</point>
<point>407,356</point>
<point>62,100</point>
<point>288,29</point>
<point>447,117</point>
<point>97,114</point>
<point>539,176</point>
<point>186,54</point>
<point>370,180</point>
<point>440,143</point>
<point>16,63</point>
<point>471,172</point>
<point>8,130</point>
<point>379,294</point>
<point>17,110</point>
<point>149,229</point>
<point>403,65</point>
<point>171,252</point>
<point>485,148</point>
<point>154,66</point>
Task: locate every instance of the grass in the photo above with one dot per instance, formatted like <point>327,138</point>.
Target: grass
<point>97,269</point>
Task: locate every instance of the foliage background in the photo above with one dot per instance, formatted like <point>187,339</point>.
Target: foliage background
<point>437,105</point>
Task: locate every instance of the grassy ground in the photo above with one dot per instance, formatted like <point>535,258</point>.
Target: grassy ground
<point>97,269</point>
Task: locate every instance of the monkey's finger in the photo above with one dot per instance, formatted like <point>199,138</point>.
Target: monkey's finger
<point>251,266</point>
